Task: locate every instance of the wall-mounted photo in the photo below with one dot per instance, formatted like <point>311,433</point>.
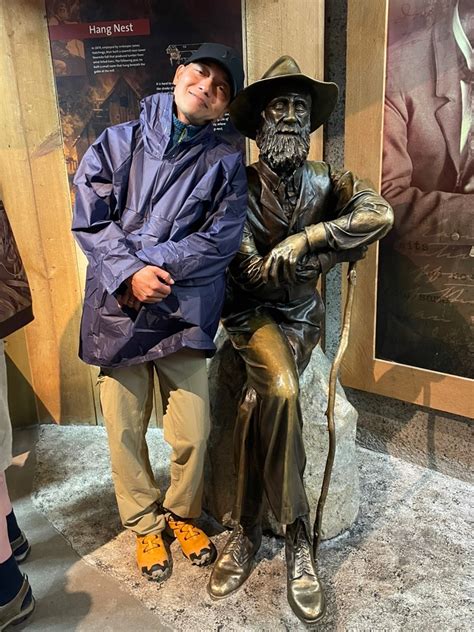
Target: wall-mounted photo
<point>425,315</point>
<point>410,125</point>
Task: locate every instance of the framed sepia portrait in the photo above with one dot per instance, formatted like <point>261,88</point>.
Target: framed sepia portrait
<point>410,129</point>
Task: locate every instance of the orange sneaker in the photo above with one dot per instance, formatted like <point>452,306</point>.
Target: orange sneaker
<point>195,544</point>
<point>153,559</point>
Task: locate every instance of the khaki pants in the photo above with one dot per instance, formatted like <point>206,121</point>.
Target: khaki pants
<point>126,396</point>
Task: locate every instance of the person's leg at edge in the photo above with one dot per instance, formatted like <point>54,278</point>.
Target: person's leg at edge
<point>126,396</point>
<point>186,423</point>
<point>18,541</point>
<point>16,599</point>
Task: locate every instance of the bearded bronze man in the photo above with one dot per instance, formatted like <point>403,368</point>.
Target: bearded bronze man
<point>303,218</point>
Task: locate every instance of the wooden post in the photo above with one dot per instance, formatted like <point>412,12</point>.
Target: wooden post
<point>34,187</point>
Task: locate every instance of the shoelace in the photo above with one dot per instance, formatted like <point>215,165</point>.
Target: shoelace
<point>236,543</point>
<point>303,560</point>
<point>188,530</point>
<point>150,542</point>
<point>235,540</point>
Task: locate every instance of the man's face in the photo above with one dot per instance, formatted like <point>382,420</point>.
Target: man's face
<point>201,93</point>
<point>283,136</point>
<point>290,112</point>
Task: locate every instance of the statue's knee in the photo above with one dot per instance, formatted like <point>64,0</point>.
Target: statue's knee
<point>284,387</point>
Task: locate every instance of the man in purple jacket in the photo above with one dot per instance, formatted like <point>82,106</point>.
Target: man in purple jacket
<point>160,208</point>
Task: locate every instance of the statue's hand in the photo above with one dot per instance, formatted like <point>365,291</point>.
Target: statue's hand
<point>308,268</point>
<point>331,258</point>
<point>280,263</point>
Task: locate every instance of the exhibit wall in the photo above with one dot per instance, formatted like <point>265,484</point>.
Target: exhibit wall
<point>413,309</point>
<point>47,381</point>
<point>416,432</point>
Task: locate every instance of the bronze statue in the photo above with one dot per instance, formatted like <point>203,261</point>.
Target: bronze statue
<point>303,218</point>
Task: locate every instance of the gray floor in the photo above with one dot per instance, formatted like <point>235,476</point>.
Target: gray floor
<point>70,594</point>
<point>402,566</point>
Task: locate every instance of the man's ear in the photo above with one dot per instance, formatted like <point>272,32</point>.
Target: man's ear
<point>178,73</point>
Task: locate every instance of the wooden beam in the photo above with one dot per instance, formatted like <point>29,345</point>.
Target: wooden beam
<point>35,190</point>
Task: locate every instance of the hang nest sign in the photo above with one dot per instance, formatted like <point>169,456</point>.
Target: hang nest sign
<point>90,30</point>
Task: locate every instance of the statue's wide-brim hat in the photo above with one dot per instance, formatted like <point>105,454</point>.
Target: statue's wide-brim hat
<point>284,74</point>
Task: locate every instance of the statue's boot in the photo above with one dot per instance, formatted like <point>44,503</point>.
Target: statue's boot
<point>236,560</point>
<point>305,593</point>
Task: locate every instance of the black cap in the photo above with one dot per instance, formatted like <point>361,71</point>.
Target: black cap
<point>226,57</point>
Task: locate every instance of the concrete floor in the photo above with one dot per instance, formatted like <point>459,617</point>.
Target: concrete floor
<point>70,594</point>
<point>403,566</point>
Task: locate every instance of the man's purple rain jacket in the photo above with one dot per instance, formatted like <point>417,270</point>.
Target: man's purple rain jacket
<point>182,210</point>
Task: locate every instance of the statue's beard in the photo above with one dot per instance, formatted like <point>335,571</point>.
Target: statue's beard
<point>284,153</point>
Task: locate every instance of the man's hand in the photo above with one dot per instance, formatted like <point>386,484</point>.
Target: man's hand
<point>469,186</point>
<point>150,284</point>
<point>280,263</point>
<point>128,300</point>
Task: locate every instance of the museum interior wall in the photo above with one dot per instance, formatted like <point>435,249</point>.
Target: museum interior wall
<point>424,436</point>
<point>43,364</point>
<point>49,382</point>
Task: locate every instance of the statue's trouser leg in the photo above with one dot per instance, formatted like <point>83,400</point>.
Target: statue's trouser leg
<point>305,592</point>
<point>247,508</point>
<point>269,445</point>
<point>270,449</point>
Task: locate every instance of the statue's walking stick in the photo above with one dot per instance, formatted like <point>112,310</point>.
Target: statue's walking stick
<point>331,402</point>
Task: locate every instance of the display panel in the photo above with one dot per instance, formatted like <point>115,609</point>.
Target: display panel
<point>108,55</point>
